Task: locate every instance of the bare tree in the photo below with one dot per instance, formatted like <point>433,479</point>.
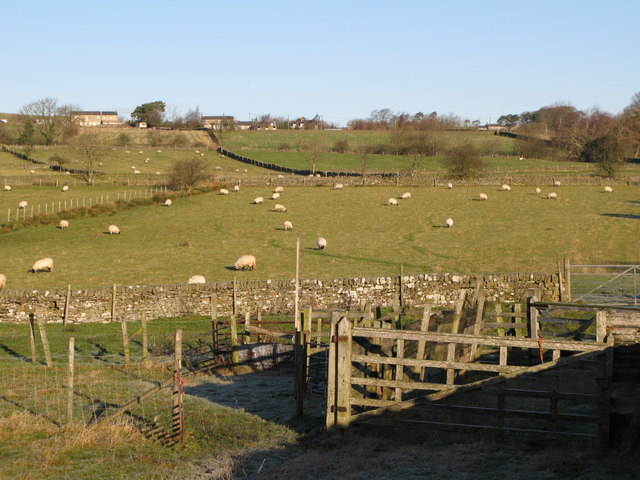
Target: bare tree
<point>186,174</point>
<point>91,156</point>
<point>50,119</point>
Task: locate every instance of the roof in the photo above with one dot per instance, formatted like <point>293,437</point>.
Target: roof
<point>96,112</point>
<point>218,117</point>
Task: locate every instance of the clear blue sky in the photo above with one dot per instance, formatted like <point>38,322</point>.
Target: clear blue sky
<point>339,59</point>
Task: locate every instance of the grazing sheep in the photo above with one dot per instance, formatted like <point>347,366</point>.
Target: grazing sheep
<point>133,167</point>
<point>159,151</point>
<point>288,225</point>
<point>23,204</point>
<point>140,152</point>
<point>258,200</point>
<point>146,160</point>
<point>321,242</point>
<point>406,195</point>
<point>538,191</point>
<point>217,168</point>
<point>236,188</point>
<point>392,201</point>
<point>552,196</point>
<point>338,186</point>
<point>505,188</point>
<point>136,171</point>
<point>483,196</point>
<point>65,188</point>
<point>113,230</point>
<point>246,171</point>
<point>280,208</point>
<point>167,203</point>
<point>449,185</point>
<point>279,176</point>
<point>557,183</point>
<point>7,188</point>
<point>275,196</point>
<point>245,262</point>
<point>196,279</point>
<point>278,190</point>
<point>64,224</point>
<point>224,191</point>
<point>448,222</point>
<point>3,281</point>
<point>32,171</point>
<point>608,190</point>
<point>42,265</point>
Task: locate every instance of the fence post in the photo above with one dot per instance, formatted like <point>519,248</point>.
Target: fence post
<point>178,392</point>
<point>339,373</point>
<point>70,380</point>
<point>145,340</point>
<point>214,321</point>
<point>113,303</point>
<point>66,305</point>
<point>422,344</point>
<point>601,325</point>
<point>125,340</point>
<point>32,339</point>
<point>401,294</point>
<point>247,323</point>
<point>567,279</point>
<point>45,341</point>
<point>478,325</point>
<point>235,355</point>
<point>235,293</point>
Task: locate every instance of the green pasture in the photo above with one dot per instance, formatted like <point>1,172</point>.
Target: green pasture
<point>10,165</point>
<point>205,234</point>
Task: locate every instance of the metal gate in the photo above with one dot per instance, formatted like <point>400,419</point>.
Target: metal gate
<point>604,284</point>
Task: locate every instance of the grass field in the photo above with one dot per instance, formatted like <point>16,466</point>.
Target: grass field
<point>205,234</point>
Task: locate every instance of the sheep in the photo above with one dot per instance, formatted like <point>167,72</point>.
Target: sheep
<point>146,160</point>
<point>246,171</point>
<point>136,172</point>
<point>245,262</point>
<point>217,168</point>
<point>224,191</point>
<point>197,279</point>
<point>113,230</point>
<point>65,188</point>
<point>7,188</point>
<point>288,225</point>
<point>64,224</point>
<point>32,171</point>
<point>608,189</point>
<point>23,204</point>
<point>552,196</point>
<point>126,151</point>
<point>538,191</point>
<point>483,196</point>
<point>321,242</point>
<point>278,190</point>
<point>133,167</point>
<point>42,265</point>
<point>392,201</point>
<point>140,152</point>
<point>448,222</point>
<point>338,186</point>
<point>449,185</point>
<point>167,203</point>
<point>275,196</point>
<point>279,176</point>
<point>258,200</point>
<point>159,151</point>
<point>279,208</point>
<point>236,188</point>
<point>406,195</point>
<point>505,188</point>
<point>3,281</point>
<point>557,183</point>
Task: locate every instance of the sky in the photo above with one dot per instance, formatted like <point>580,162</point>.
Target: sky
<point>338,59</point>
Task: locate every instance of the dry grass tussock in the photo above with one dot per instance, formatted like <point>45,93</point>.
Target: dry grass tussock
<point>23,423</point>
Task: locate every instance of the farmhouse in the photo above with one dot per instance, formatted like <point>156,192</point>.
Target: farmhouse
<point>96,118</point>
<point>218,122</point>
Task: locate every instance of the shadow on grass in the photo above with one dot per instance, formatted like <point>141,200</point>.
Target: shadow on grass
<point>621,215</point>
<point>17,355</point>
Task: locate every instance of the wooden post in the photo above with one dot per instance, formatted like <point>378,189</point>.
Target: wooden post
<point>178,392</point>
<point>422,344</point>
<point>401,286</point>
<point>601,326</point>
<point>45,341</point>
<point>604,393</point>
<point>516,319</point>
<point>499,318</point>
<point>113,303</point>
<point>296,305</point>
<point>340,360</point>
<point>567,279</point>
<point>235,355</point>
<point>457,315</point>
<point>563,294</point>
<point>125,340</point>
<point>478,325</point>
<point>66,305</point>
<point>399,369</point>
<point>214,322</point>
<point>451,357</point>
<point>532,321</point>
<point>32,338</point>
<point>70,380</point>
<point>235,293</point>
<point>258,322</point>
<point>145,340</point>
<point>247,324</point>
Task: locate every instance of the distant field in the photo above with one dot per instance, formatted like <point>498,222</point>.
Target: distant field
<point>10,165</point>
<point>205,234</point>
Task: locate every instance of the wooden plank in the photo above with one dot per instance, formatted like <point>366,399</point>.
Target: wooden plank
<point>457,314</point>
<point>366,381</point>
<point>478,325</point>
<point>452,365</point>
<point>399,371</point>
<point>271,333</point>
<point>422,344</point>
<point>506,314</point>
<point>516,326</point>
<point>343,356</point>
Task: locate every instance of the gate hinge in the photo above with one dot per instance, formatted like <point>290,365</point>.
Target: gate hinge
<point>338,409</point>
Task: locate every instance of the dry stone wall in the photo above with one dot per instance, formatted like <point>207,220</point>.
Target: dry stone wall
<point>267,296</point>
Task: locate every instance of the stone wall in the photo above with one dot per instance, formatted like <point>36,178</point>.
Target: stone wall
<point>269,296</point>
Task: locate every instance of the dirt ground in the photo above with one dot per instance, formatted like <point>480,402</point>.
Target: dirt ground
<point>363,453</point>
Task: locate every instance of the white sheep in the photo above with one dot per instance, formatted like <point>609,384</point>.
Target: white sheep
<point>32,171</point>
<point>608,189</point>
<point>321,242</point>
<point>406,195</point>
<point>483,196</point>
<point>42,265</point>
<point>113,230</point>
<point>224,191</point>
<point>7,188</point>
<point>275,196</point>
<point>197,279</point>
<point>236,188</point>
<point>258,200</point>
<point>167,203</point>
<point>23,204</point>
<point>392,201</point>
<point>288,225</point>
<point>136,172</point>
<point>245,262</point>
<point>338,186</point>
<point>217,168</point>
<point>65,188</point>
<point>279,208</point>
<point>133,167</point>
<point>505,188</point>
<point>3,281</point>
<point>278,190</point>
<point>146,160</point>
<point>557,183</point>
<point>279,176</point>
<point>552,196</point>
<point>448,222</point>
<point>246,171</point>
<point>449,185</point>
<point>140,152</point>
<point>64,224</point>
<point>538,190</point>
